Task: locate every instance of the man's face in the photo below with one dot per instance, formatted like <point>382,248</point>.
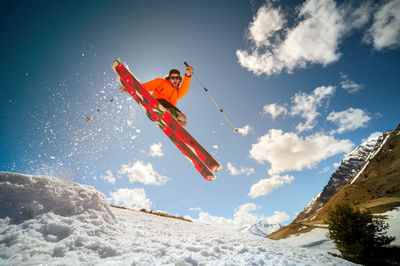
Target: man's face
<point>174,79</point>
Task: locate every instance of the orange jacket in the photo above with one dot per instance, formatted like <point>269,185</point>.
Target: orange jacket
<point>162,89</point>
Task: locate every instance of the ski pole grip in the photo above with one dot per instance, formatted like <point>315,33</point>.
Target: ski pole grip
<point>186,64</point>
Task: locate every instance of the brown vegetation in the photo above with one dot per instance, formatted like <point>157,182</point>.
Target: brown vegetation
<point>162,214</point>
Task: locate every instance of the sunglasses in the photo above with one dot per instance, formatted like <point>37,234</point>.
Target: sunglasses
<point>175,77</point>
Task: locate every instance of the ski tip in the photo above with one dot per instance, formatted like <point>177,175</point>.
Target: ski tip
<point>218,168</point>
<point>211,178</point>
<point>115,64</point>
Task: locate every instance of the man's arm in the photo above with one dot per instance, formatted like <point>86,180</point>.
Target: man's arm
<point>183,90</point>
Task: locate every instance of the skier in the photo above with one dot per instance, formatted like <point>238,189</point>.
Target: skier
<point>167,91</point>
<point>203,161</point>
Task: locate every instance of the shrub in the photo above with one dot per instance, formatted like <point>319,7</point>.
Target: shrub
<point>358,235</point>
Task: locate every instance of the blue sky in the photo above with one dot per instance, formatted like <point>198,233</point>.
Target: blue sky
<point>306,82</point>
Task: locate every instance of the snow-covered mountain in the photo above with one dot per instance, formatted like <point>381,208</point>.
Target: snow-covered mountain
<point>348,167</point>
<point>48,221</point>
<point>367,178</point>
<point>261,228</point>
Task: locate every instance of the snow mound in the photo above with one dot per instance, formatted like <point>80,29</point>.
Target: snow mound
<point>43,217</point>
<point>54,222</point>
<point>24,197</point>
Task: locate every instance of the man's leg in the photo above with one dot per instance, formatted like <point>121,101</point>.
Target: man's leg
<point>180,117</point>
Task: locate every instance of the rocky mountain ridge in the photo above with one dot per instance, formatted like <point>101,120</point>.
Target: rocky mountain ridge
<point>348,167</point>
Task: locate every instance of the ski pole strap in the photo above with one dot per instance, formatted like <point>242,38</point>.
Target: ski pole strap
<point>236,130</point>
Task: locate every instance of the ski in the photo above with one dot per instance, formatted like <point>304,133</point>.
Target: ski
<point>196,154</point>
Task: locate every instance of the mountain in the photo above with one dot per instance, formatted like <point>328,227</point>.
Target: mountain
<point>349,166</point>
<point>367,178</point>
<point>261,228</point>
<point>50,221</point>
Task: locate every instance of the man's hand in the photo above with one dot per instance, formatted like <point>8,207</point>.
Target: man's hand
<point>189,71</point>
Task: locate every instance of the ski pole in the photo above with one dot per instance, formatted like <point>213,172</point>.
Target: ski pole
<point>236,130</point>
<point>89,118</point>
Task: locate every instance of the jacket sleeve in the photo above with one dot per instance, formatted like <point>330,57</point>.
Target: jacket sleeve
<point>184,88</point>
<point>153,84</point>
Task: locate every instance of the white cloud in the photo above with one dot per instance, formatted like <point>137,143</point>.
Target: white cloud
<point>156,150</point>
<point>359,16</point>
<point>132,198</point>
<point>215,147</point>
<point>385,30</point>
<point>349,120</point>
<point>305,105</point>
<point>244,130</point>
<point>241,218</point>
<point>142,173</point>
<point>278,218</point>
<point>243,214</point>
<point>313,40</point>
<point>197,209</point>
<point>267,21</point>
<point>242,171</point>
<point>288,151</point>
<point>266,185</point>
<point>275,110</point>
<point>325,170</point>
<point>349,85</point>
<point>109,177</point>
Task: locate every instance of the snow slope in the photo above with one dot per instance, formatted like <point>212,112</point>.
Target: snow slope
<point>316,238</point>
<point>393,219</point>
<point>54,222</point>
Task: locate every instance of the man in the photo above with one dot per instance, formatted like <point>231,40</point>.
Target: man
<point>167,91</point>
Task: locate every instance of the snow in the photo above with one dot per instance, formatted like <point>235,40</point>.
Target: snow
<point>315,239</point>
<point>359,173</point>
<point>51,221</point>
<point>369,158</point>
<point>393,219</point>
<point>364,149</point>
<point>321,225</point>
<point>379,149</point>
<point>309,206</point>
